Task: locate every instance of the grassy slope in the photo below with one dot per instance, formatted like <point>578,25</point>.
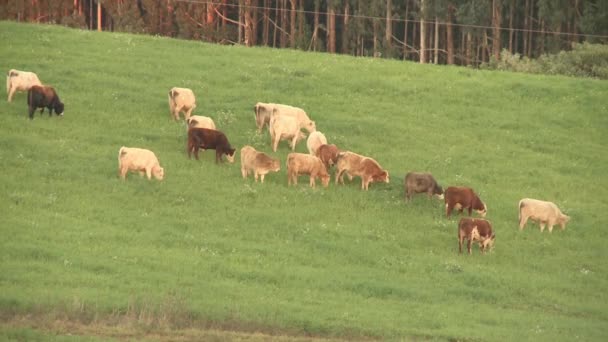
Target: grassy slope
<point>206,248</point>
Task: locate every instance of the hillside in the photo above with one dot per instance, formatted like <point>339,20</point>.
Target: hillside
<point>205,249</point>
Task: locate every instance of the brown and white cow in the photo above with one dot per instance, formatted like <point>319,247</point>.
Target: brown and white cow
<point>543,212</point>
<point>17,80</point>
<point>356,165</point>
<point>265,111</point>
<point>139,160</point>
<point>421,182</point>
<point>315,139</point>
<point>181,100</point>
<point>258,162</point>
<point>474,229</point>
<point>460,198</point>
<point>328,153</point>
<point>44,97</point>
<point>305,164</point>
<point>209,139</point>
<point>200,122</point>
<point>285,128</point>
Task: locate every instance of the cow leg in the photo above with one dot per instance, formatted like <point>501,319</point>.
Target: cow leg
<point>550,225</point>
<point>312,181</point>
<point>469,246</point>
<point>294,141</point>
<point>148,173</point>
<point>50,111</point>
<point>460,241</point>
<point>255,176</point>
<point>261,178</point>
<point>218,156</point>
<point>522,222</point>
<point>11,92</point>
<point>31,112</point>
<point>275,142</point>
<point>542,226</point>
<point>448,210</point>
<point>123,172</point>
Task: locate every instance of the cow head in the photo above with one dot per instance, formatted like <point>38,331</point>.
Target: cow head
<point>381,177</point>
<point>487,243</point>
<point>325,179</point>
<point>230,155</point>
<point>59,108</point>
<point>158,172</point>
<point>562,220</point>
<point>438,191</point>
<point>310,126</point>
<point>480,207</point>
<point>275,166</point>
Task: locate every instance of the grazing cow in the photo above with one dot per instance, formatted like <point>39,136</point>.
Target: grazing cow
<point>315,139</point>
<point>416,182</point>
<point>44,97</point>
<point>473,229</point>
<point>265,111</point>
<point>17,80</point>
<point>181,100</point>
<point>200,122</point>
<point>139,160</point>
<point>283,128</point>
<point>460,197</point>
<point>541,211</point>
<point>328,154</point>
<point>258,162</point>
<point>305,164</point>
<point>357,165</point>
<point>209,139</point>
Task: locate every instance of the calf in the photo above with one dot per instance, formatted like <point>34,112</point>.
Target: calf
<point>258,162</point>
<point>543,212</point>
<point>416,183</point>
<point>43,97</point>
<point>17,80</point>
<point>460,197</point>
<point>357,165</point>
<point>328,154</point>
<point>315,139</point>
<point>200,122</point>
<point>139,160</point>
<point>181,100</point>
<point>300,163</point>
<point>282,128</point>
<point>209,139</point>
<point>472,230</point>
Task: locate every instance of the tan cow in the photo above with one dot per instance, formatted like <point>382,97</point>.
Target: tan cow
<point>200,122</point>
<point>181,100</point>
<point>356,165</point>
<point>265,111</point>
<point>305,164</point>
<point>328,154</point>
<point>258,162</point>
<point>17,80</point>
<point>285,128</point>
<point>139,160</point>
<point>541,211</point>
<point>315,139</point>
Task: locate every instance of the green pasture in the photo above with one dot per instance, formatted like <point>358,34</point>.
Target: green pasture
<point>205,249</point>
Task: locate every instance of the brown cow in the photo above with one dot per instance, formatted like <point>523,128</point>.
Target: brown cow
<point>43,97</point>
<point>139,160</point>
<point>305,164</point>
<point>416,182</point>
<point>356,165</point>
<point>328,154</point>
<point>209,139</point>
<point>543,212</point>
<point>460,197</point>
<point>473,229</point>
<point>258,162</point>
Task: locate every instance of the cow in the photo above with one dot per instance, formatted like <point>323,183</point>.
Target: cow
<point>315,139</point>
<point>460,197</point>
<point>200,122</point>
<point>328,154</point>
<point>209,139</point>
<point>265,111</point>
<point>543,212</point>
<point>283,128</point>
<point>356,165</point>
<point>300,163</point>
<point>181,100</point>
<point>258,162</point>
<point>418,182</point>
<point>139,160</point>
<point>474,229</point>
<point>44,97</point>
<point>17,80</point>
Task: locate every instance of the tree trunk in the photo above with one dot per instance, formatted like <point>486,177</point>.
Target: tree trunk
<point>526,27</point>
<point>249,40</point>
<point>292,37</point>
<point>469,48</point>
<point>497,21</point>
<point>331,28</point>
<point>276,17</point>
<point>389,25</point>
<point>345,40</point>
<point>98,16</point>
<point>436,56</point>
<point>422,33</point>
<point>542,37</point>
<point>240,24</point>
<point>511,31</point>
<point>405,49</point>
<point>254,27</point>
<point>375,29</point>
<point>450,34</point>
<point>315,33</point>
<point>530,28</point>
<point>266,29</point>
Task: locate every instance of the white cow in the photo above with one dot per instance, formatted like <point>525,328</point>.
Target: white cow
<point>315,140</point>
<point>139,160</point>
<point>21,81</point>
<point>181,100</point>
<point>541,211</point>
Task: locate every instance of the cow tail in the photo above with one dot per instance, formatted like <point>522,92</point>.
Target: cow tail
<point>121,152</point>
<point>8,82</point>
<point>521,205</point>
<point>171,99</point>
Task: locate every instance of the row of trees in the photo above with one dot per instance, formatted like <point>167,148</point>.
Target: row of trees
<point>466,32</point>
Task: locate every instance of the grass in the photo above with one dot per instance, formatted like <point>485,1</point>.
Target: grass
<point>205,249</point>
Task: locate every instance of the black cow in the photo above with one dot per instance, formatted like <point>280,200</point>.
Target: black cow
<point>209,139</point>
<point>43,97</point>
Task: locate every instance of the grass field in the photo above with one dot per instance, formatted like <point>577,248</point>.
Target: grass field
<point>205,250</point>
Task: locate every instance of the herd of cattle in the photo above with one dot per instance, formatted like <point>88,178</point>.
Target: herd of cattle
<point>286,123</point>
